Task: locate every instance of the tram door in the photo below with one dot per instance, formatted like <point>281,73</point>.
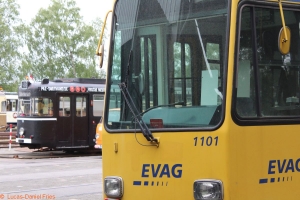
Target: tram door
<point>72,121</point>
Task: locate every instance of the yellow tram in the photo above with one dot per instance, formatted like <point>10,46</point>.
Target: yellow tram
<point>202,100</point>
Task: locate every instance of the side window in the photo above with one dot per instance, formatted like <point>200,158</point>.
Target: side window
<point>245,96</point>
<point>267,81</point>
<point>98,103</point>
<point>9,105</point>
<point>3,106</point>
<point>14,105</point>
<point>49,107</point>
<point>195,77</point>
<point>64,106</point>
<point>214,59</point>
<point>182,73</point>
<point>24,107</point>
<point>80,106</point>
<point>45,106</point>
<point>148,89</point>
<point>39,107</point>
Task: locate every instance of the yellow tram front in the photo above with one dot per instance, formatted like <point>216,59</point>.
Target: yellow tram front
<point>202,100</point>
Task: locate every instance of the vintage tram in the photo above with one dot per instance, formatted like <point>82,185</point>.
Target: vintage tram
<point>8,109</point>
<point>61,114</point>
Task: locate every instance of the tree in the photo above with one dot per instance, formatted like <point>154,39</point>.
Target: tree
<point>10,44</point>
<point>60,44</point>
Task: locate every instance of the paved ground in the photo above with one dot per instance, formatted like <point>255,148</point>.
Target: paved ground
<point>67,178</point>
<point>25,153</point>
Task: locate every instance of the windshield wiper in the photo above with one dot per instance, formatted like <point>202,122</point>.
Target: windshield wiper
<point>144,128</point>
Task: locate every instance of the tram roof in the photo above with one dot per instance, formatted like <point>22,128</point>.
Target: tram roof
<point>79,80</point>
<point>8,93</point>
<point>84,85</point>
<point>63,81</point>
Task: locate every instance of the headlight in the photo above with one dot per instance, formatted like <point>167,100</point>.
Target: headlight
<point>21,131</point>
<point>97,136</point>
<point>208,190</point>
<point>113,187</point>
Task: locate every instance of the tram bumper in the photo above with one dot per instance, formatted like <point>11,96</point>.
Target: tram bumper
<point>98,146</point>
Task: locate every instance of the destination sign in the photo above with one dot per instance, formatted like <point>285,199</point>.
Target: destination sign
<point>61,89</point>
<point>94,89</point>
<point>72,89</point>
<point>24,94</point>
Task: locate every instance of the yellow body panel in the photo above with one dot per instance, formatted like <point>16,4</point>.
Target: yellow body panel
<point>242,158</point>
<point>195,162</point>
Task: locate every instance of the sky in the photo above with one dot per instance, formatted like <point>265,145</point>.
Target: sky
<point>89,9</point>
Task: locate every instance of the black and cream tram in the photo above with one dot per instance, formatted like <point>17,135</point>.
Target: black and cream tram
<point>59,114</point>
<point>8,109</point>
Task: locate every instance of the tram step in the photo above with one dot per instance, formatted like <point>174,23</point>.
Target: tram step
<point>4,142</point>
<point>4,139</point>
<point>5,133</point>
<point>7,136</point>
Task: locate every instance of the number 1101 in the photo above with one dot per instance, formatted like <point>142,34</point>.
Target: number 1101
<point>206,141</point>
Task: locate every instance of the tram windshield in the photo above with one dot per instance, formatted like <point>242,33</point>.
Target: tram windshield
<point>170,56</point>
<point>37,107</point>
